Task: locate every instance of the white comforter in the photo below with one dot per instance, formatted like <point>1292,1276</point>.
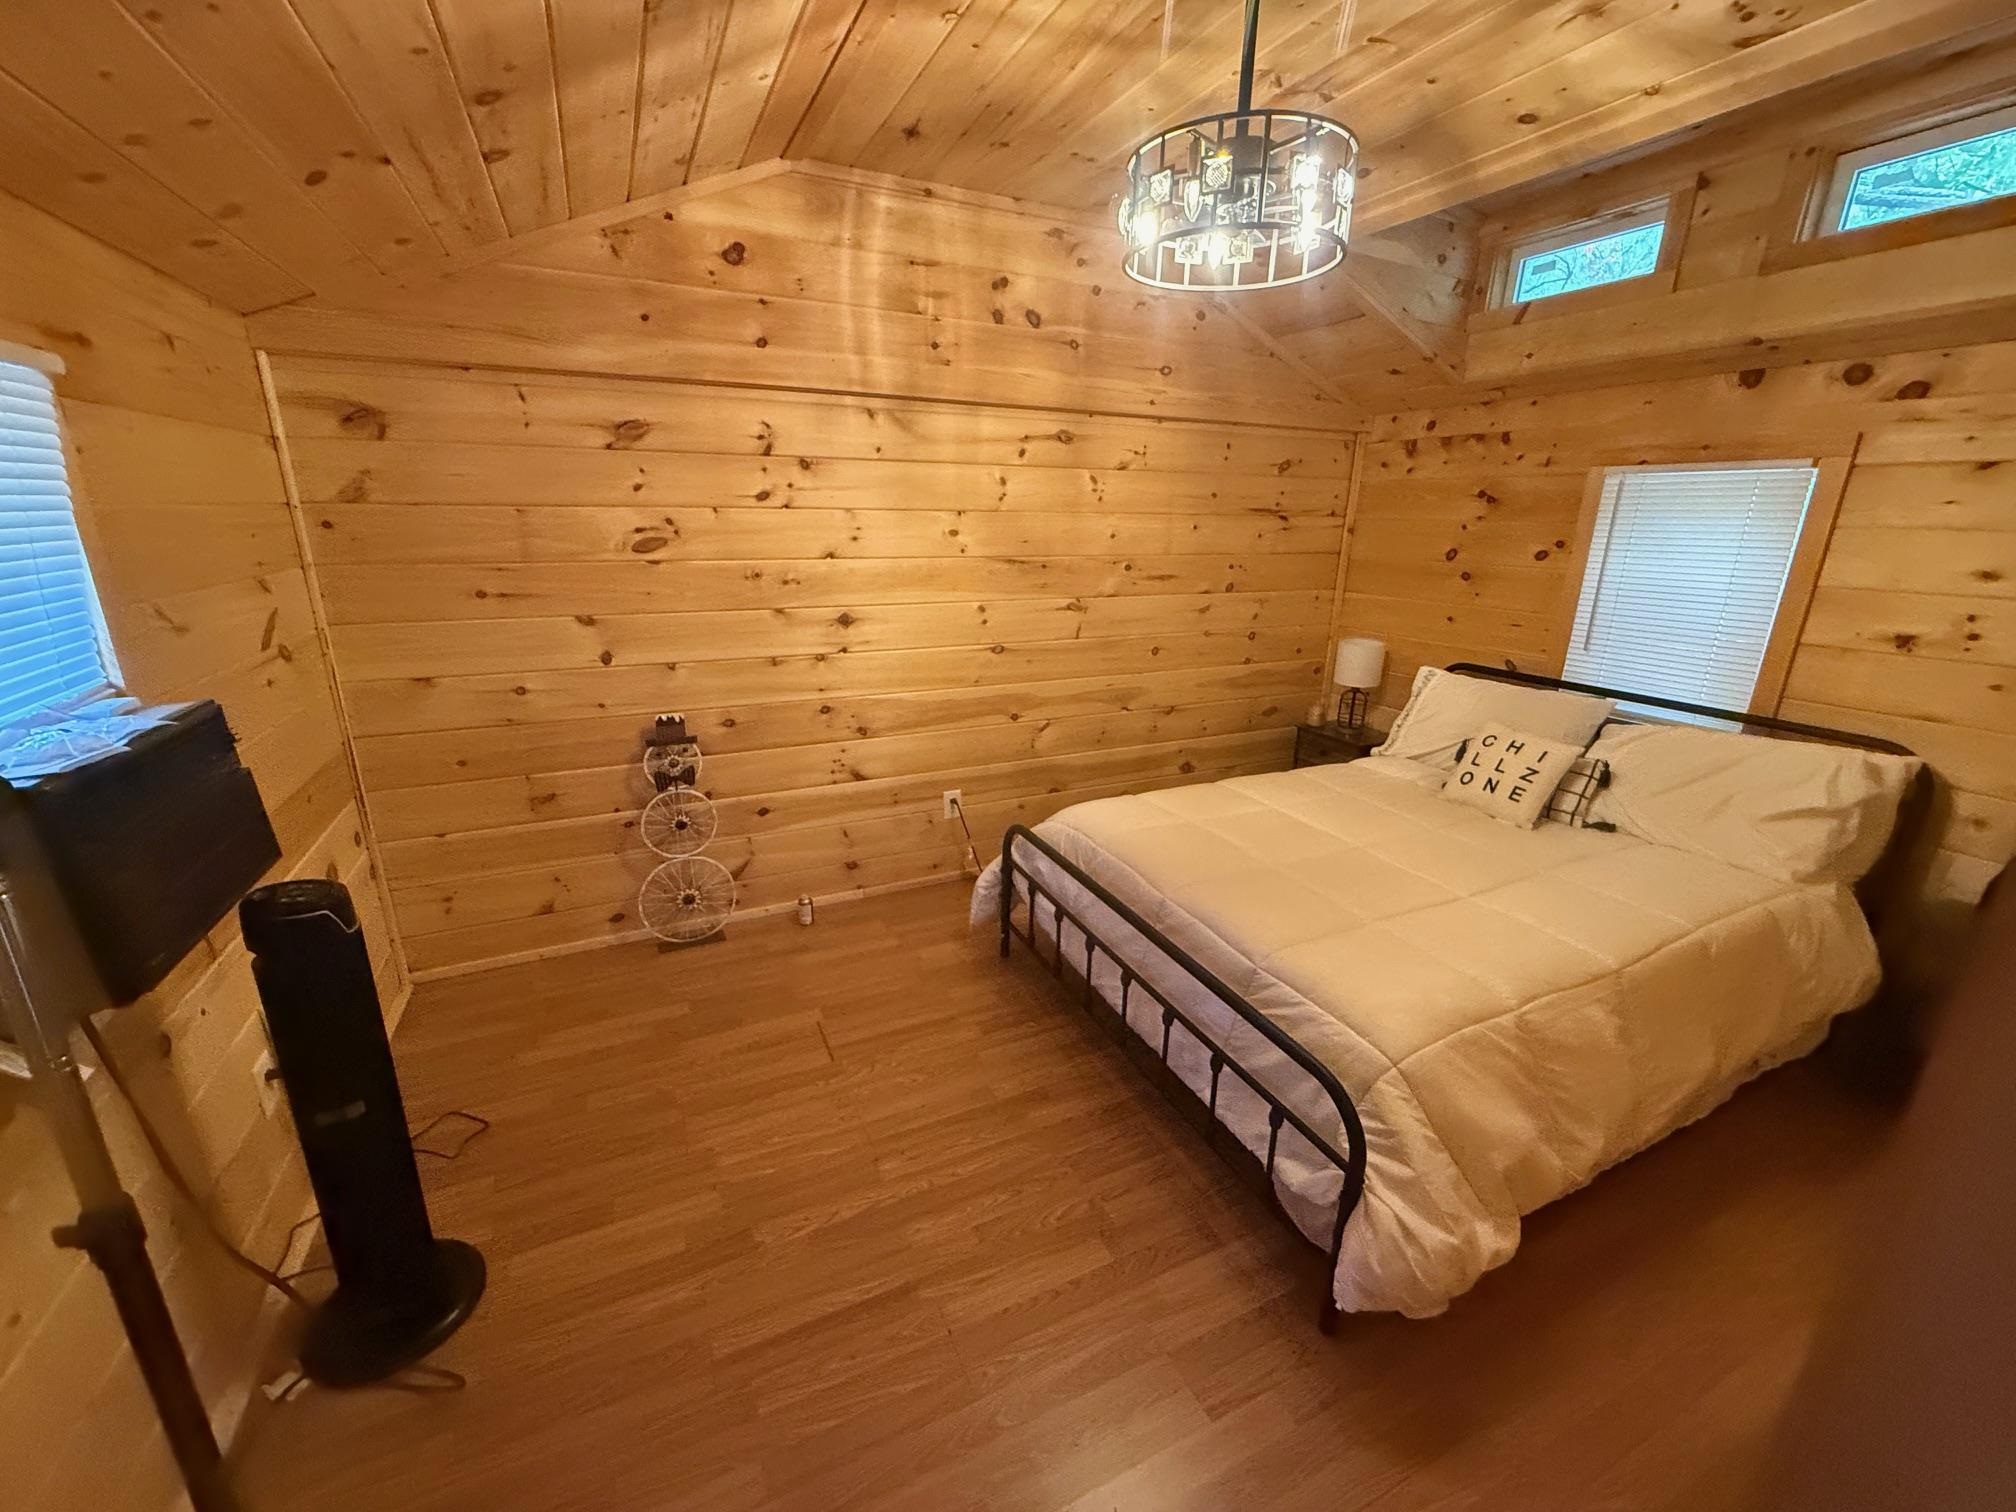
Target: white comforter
<point>1511,1011</point>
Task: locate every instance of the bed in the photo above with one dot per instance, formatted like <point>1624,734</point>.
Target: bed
<point>1411,1024</point>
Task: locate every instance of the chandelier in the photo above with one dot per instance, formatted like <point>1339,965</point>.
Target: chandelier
<point>1248,199</point>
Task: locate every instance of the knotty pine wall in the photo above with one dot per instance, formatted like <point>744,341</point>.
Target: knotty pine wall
<point>806,277</point>
<point>857,604</point>
<point>1463,547</point>
<point>184,514</point>
<point>1739,285</point>
<point>1755,344</point>
<point>889,488</point>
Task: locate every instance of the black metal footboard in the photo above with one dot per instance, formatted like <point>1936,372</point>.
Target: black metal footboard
<point>1201,1111</point>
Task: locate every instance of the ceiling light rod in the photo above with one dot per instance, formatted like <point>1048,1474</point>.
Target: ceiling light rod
<point>1247,48</point>
<point>1246,199</point>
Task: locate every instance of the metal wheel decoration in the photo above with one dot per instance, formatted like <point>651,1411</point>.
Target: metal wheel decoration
<point>678,822</point>
<point>687,900</point>
<point>672,765</point>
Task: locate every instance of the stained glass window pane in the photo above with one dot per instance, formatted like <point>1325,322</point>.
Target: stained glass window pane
<point>1590,264</point>
<point>1963,173</point>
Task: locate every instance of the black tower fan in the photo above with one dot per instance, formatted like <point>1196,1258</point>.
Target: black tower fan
<point>399,1290</point>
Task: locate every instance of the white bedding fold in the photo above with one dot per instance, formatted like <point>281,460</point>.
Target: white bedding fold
<point>1510,1010</point>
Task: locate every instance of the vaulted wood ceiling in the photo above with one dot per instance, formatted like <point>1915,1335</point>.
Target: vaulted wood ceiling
<point>262,150</point>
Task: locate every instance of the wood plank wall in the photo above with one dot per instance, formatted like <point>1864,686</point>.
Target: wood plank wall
<point>183,512</point>
<point>1744,283</point>
<point>857,603</point>
<point>818,278</point>
<point>889,488</point>
<point>1465,530</point>
<point>1739,285</point>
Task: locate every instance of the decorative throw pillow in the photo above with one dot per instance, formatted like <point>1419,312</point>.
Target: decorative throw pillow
<point>1574,800</point>
<point>1510,774</point>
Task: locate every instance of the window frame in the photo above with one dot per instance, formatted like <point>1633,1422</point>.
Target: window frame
<point>1800,239</point>
<point>52,367</point>
<point>1521,249</point>
<point>1802,575</point>
<point>1845,166</point>
<point>1506,247</point>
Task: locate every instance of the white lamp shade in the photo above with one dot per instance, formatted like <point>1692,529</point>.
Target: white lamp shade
<point>1361,662</point>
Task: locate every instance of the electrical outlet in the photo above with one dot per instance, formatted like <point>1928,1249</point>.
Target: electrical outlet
<point>267,1076</point>
<point>952,801</point>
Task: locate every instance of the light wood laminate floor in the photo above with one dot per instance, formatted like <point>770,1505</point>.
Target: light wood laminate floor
<point>856,1216</point>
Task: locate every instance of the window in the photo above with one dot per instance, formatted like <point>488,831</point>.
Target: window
<point>52,643</point>
<point>1587,255</point>
<point>1960,164</point>
<point>1685,571</point>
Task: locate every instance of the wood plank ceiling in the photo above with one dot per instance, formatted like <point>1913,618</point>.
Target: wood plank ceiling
<point>262,150</point>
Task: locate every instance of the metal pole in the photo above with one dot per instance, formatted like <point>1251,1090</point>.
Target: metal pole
<point>108,1226</point>
<point>1246,51</point>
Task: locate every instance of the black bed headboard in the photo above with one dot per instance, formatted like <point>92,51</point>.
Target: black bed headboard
<point>1877,892</point>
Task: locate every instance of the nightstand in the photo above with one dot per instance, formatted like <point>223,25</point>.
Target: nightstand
<point>1326,744</point>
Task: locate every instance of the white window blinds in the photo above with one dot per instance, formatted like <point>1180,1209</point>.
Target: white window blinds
<point>51,651</point>
<point>1686,567</point>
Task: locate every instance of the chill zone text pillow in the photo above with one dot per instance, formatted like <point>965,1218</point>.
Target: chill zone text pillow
<point>1510,774</point>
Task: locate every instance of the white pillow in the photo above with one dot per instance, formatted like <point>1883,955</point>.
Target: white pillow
<point>1446,708</point>
<point>1791,809</point>
<point>1510,774</point>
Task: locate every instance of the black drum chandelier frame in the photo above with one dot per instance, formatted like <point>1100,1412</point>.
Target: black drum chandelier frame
<point>1246,199</point>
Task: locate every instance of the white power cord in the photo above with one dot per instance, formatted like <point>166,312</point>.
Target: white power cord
<point>972,855</point>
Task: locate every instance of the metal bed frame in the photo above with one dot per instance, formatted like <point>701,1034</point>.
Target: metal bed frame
<point>1874,893</point>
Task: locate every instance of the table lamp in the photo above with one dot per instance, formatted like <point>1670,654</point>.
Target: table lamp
<point>1360,664</point>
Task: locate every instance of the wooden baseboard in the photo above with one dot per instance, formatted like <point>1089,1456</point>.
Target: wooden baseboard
<point>637,936</point>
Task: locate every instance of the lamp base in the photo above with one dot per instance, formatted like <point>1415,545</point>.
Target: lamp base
<point>1353,705</point>
<point>354,1339</point>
